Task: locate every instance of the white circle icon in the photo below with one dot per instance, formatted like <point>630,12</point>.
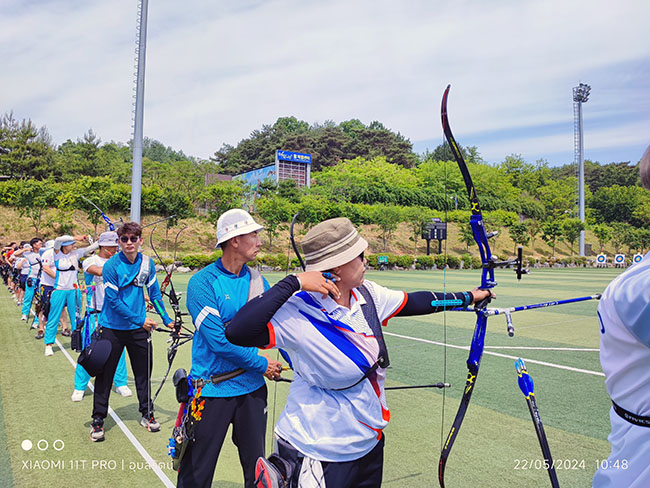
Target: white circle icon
<point>26,445</point>
<point>58,445</point>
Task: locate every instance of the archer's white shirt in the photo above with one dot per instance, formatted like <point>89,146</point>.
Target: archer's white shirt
<point>97,301</point>
<point>47,260</point>
<point>624,313</point>
<point>331,347</point>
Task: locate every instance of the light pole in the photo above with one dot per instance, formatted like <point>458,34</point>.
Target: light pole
<point>138,116</point>
<point>580,96</point>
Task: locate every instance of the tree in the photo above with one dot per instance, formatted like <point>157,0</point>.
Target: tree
<point>557,197</point>
<point>417,218</point>
<point>222,196</point>
<point>603,233</point>
<point>276,213</point>
<point>519,234</point>
<point>534,228</point>
<point>619,230</point>
<point>571,229</point>
<point>33,198</point>
<point>643,236</point>
<point>444,153</point>
<point>386,218</point>
<point>25,150</point>
<point>174,206</point>
<point>466,235</point>
<point>617,203</point>
<point>551,232</point>
<point>313,210</point>
<point>631,239</point>
<point>328,144</point>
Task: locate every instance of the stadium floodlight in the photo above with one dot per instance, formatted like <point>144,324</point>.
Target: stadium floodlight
<point>581,93</point>
<point>580,96</point>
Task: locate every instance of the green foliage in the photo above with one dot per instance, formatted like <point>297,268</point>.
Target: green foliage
<point>619,231</point>
<point>551,232</point>
<point>328,144</point>
<point>444,153</point>
<point>534,229</point>
<point>417,218</point>
<point>313,209</point>
<point>557,197</point>
<point>621,203</point>
<point>368,181</point>
<point>32,198</point>
<point>466,235</point>
<point>602,175</point>
<point>386,218</point>
<point>424,262</point>
<point>571,229</point>
<point>404,261</point>
<point>222,196</point>
<point>519,233</point>
<point>200,260</point>
<point>275,211</point>
<point>25,150</point>
<point>603,233</point>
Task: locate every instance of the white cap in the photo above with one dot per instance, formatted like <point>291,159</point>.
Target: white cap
<point>64,240</point>
<point>108,238</point>
<point>233,223</point>
<point>27,246</point>
<point>49,244</point>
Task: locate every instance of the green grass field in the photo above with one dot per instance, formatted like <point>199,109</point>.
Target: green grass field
<point>496,447</point>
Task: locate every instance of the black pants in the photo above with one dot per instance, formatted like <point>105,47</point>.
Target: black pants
<point>141,356</point>
<point>365,472</point>
<point>247,414</point>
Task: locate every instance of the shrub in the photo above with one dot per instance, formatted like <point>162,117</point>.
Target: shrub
<point>200,260</point>
<point>405,261</point>
<point>424,262</point>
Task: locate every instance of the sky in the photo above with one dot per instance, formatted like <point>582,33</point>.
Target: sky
<point>217,70</point>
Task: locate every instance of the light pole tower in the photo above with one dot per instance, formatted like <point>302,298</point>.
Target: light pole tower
<point>138,116</point>
<point>580,96</point>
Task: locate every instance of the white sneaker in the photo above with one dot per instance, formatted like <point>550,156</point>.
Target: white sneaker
<point>24,317</point>
<point>151,424</point>
<point>124,391</point>
<point>49,351</point>
<point>77,395</point>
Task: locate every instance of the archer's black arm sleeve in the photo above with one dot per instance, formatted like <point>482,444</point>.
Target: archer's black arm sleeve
<point>425,302</point>
<point>249,325</point>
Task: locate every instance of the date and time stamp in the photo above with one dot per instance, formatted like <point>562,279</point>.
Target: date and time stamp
<point>570,464</point>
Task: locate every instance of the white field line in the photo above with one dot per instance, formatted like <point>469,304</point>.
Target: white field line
<point>136,443</point>
<point>579,349</point>
<point>466,348</point>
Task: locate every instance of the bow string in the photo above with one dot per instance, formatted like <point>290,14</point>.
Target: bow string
<point>179,334</point>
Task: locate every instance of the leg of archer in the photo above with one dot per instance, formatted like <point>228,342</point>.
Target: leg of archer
<point>249,430</point>
<point>200,459</point>
<point>141,357</point>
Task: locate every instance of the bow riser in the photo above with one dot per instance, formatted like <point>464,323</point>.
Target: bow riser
<point>480,236</point>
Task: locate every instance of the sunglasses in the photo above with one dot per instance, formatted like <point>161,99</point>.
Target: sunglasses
<point>126,239</point>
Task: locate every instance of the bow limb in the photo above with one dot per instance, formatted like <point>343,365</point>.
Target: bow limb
<point>293,242</point>
<point>487,282</point>
<point>110,224</point>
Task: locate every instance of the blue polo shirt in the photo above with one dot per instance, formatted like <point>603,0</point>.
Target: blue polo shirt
<point>124,305</point>
<point>214,295</point>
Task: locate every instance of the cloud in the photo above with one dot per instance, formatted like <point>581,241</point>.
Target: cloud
<point>218,70</point>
